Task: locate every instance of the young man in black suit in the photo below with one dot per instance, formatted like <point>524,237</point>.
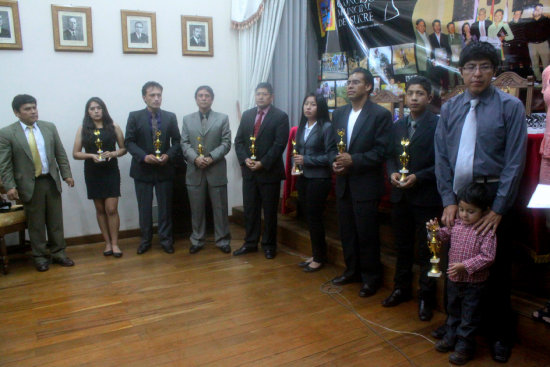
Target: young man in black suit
<point>150,172</point>
<point>360,181</point>
<point>261,176</point>
<point>415,199</point>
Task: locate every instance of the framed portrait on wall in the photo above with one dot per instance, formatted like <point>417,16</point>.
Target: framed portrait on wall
<point>139,32</point>
<point>72,28</point>
<point>197,36</point>
<point>10,28</point>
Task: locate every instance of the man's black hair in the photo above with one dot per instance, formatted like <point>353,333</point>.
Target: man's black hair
<point>477,51</point>
<point>367,76</point>
<point>150,85</point>
<point>21,99</point>
<point>206,88</point>
<point>265,85</point>
<point>419,80</point>
<point>436,21</point>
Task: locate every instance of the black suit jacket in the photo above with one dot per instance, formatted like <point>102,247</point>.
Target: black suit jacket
<point>421,161</point>
<point>270,144</point>
<point>443,43</point>
<point>139,142</point>
<point>318,150</point>
<point>474,29</point>
<point>368,148</point>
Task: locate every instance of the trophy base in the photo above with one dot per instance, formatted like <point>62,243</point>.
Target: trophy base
<point>434,272</point>
<point>434,275</point>
<point>403,174</point>
<point>253,157</point>
<point>297,173</point>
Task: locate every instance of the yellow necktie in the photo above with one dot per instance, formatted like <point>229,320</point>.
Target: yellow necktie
<point>35,154</point>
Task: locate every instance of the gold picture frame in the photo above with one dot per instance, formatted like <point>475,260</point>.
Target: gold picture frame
<point>10,27</point>
<point>197,37</point>
<point>139,32</point>
<point>72,28</point>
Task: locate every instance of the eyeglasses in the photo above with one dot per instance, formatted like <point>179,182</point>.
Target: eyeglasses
<point>471,68</point>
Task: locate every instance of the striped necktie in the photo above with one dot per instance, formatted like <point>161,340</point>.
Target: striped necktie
<point>34,151</point>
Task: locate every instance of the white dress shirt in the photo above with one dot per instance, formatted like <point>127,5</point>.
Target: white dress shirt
<point>308,129</point>
<point>353,115</point>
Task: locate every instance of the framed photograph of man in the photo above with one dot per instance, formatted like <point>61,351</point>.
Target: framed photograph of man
<point>139,32</point>
<point>197,36</point>
<point>10,28</point>
<point>404,61</point>
<point>72,28</point>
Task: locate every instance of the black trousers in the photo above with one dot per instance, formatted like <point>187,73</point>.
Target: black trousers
<point>144,194</point>
<point>360,238</point>
<point>255,196</point>
<point>312,195</point>
<point>409,227</point>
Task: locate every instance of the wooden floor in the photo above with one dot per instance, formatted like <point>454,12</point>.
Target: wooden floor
<point>207,309</point>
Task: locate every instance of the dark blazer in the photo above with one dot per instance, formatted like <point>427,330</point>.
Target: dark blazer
<point>134,38</point>
<point>67,36</point>
<point>421,161</point>
<point>474,29</point>
<point>368,148</point>
<point>270,144</point>
<point>318,150</point>
<point>443,43</point>
<point>139,142</point>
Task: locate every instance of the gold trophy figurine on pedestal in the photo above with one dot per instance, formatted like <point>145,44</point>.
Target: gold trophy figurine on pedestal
<point>296,171</point>
<point>341,144</point>
<point>253,147</point>
<point>404,159</point>
<point>435,246</point>
<point>200,148</point>
<point>157,144</point>
<point>99,144</point>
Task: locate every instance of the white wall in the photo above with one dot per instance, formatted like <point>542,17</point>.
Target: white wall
<point>62,82</point>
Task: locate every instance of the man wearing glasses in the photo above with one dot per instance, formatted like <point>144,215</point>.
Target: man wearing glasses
<point>481,137</point>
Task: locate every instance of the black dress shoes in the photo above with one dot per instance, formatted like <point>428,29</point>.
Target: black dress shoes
<point>398,296</point>
<point>194,249</point>
<point>500,352</point>
<point>443,347</point>
<point>143,249</point>
<point>460,358</point>
<point>425,310</point>
<point>309,269</point>
<point>66,262</point>
<point>367,290</point>
<point>244,250</point>
<point>225,249</point>
<point>117,254</point>
<point>342,280</point>
<point>168,249</point>
<point>107,253</point>
<point>42,267</point>
<point>270,253</point>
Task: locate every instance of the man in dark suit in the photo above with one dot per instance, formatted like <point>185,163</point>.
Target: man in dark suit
<point>441,56</point>
<point>138,36</point>
<point>262,175</point>
<point>4,29</point>
<point>205,140</point>
<point>415,199</point>
<point>72,33</point>
<point>480,28</point>
<point>31,158</point>
<point>360,181</point>
<point>197,39</point>
<point>153,140</point>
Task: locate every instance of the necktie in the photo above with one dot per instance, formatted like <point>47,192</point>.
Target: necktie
<point>204,121</point>
<point>258,122</point>
<point>154,125</point>
<point>482,29</point>
<point>412,128</point>
<point>34,153</point>
<point>464,167</point>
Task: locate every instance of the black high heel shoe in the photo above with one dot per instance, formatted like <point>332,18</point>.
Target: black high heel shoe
<point>108,253</point>
<point>117,254</point>
<point>309,269</point>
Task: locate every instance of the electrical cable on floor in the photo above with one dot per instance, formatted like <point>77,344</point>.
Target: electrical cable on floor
<point>335,291</point>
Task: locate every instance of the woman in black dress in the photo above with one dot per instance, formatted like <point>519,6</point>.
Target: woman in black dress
<point>316,147</point>
<point>101,170</point>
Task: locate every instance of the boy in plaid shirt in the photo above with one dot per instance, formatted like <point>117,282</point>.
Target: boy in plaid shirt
<point>470,254</point>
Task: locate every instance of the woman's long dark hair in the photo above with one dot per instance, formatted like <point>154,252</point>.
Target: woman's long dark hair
<point>322,109</point>
<point>88,125</point>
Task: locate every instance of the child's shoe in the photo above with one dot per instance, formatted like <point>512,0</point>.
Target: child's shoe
<point>460,358</point>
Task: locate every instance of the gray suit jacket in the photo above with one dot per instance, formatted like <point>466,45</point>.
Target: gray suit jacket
<point>422,55</point>
<point>16,164</point>
<point>216,142</point>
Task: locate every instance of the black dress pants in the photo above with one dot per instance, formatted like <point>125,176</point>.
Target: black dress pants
<point>312,195</point>
<point>255,196</point>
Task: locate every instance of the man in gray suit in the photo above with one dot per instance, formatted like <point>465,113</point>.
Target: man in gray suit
<point>205,140</point>
<point>31,158</point>
<point>152,166</point>
<point>423,48</point>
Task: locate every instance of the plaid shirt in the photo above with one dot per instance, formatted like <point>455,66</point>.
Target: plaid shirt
<point>475,251</point>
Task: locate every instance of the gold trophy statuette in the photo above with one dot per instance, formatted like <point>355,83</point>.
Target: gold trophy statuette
<point>435,246</point>
<point>98,144</point>
<point>253,147</point>
<point>200,148</point>
<point>341,144</point>
<point>296,171</point>
<point>157,144</point>
<point>404,158</point>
